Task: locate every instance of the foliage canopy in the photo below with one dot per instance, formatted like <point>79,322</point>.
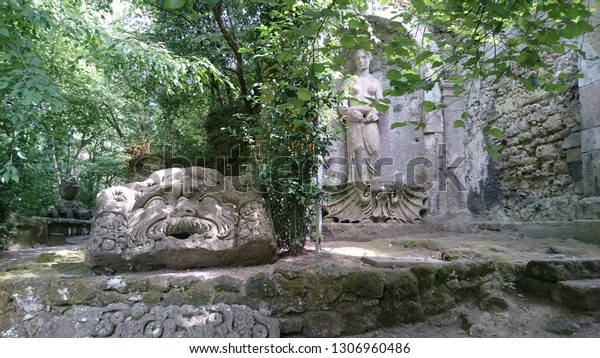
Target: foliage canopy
<point>250,80</point>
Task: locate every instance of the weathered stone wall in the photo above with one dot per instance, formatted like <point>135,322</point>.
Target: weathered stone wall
<point>538,175</point>
<point>328,300</point>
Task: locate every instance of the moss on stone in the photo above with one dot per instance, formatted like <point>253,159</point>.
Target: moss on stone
<point>416,244</point>
<point>136,283</point>
<point>290,272</point>
<point>161,284</point>
<point>23,267</point>
<point>359,317</point>
<point>47,257</point>
<point>400,284</point>
<point>425,274</point>
<point>364,283</point>
<point>291,287</point>
<point>324,291</point>
<point>152,298</point>
<point>437,300</point>
<point>227,283</point>
<point>261,286</point>
<point>394,312</point>
<point>73,268</point>
<point>322,324</point>
<point>480,268</point>
<point>199,293</point>
<point>70,292</point>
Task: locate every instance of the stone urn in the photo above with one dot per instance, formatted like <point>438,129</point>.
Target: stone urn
<point>68,189</point>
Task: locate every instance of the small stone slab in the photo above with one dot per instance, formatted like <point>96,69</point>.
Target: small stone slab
<point>396,262</point>
<point>578,294</point>
<point>554,270</point>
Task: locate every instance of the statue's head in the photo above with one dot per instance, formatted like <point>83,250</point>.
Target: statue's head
<point>362,59</point>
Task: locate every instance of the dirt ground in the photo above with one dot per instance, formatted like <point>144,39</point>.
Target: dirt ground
<point>521,316</point>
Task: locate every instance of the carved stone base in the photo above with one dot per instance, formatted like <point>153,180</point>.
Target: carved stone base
<point>180,219</point>
<point>376,203</point>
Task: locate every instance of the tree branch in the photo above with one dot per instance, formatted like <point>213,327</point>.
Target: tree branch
<point>239,63</point>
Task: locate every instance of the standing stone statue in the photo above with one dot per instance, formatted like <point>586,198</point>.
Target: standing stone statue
<point>365,197</point>
<point>362,120</point>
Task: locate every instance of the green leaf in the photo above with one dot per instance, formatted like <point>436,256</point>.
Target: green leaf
<point>319,68</point>
<point>177,4</point>
<point>458,123</point>
<point>380,107</point>
<point>496,9</point>
<point>492,131</point>
<point>394,75</point>
<point>419,5</point>
<point>531,83</point>
<point>585,26</point>
<point>493,151</point>
<point>571,30</point>
<point>4,32</point>
<point>428,106</point>
<point>6,177</point>
<point>354,24</point>
<point>284,56</point>
<point>399,125</point>
<point>423,56</point>
<point>298,123</point>
<point>348,41</point>
<point>304,94</point>
<point>329,13</point>
<point>557,87</point>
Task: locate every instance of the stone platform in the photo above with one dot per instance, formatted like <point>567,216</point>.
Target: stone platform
<point>350,288</point>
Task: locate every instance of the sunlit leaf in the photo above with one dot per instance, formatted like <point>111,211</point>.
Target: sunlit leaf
<point>458,123</point>
<point>428,106</point>
<point>493,151</point>
<point>304,94</point>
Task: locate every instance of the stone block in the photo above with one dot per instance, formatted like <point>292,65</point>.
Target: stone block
<point>591,173</point>
<point>578,294</point>
<point>590,139</point>
<point>57,239</point>
<point>547,151</point>
<point>553,270</point>
<point>587,231</point>
<point>180,218</point>
<point>575,171</point>
<point>553,123</point>
<point>573,155</point>
<point>572,141</point>
<point>578,187</point>
<point>588,208</point>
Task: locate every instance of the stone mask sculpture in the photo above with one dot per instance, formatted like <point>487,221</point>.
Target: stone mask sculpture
<point>180,218</point>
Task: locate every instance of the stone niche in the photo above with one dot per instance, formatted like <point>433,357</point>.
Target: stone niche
<point>376,174</point>
<point>180,218</point>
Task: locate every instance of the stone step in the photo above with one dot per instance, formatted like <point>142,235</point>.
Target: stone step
<point>553,270</point>
<point>578,294</point>
<point>399,262</point>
